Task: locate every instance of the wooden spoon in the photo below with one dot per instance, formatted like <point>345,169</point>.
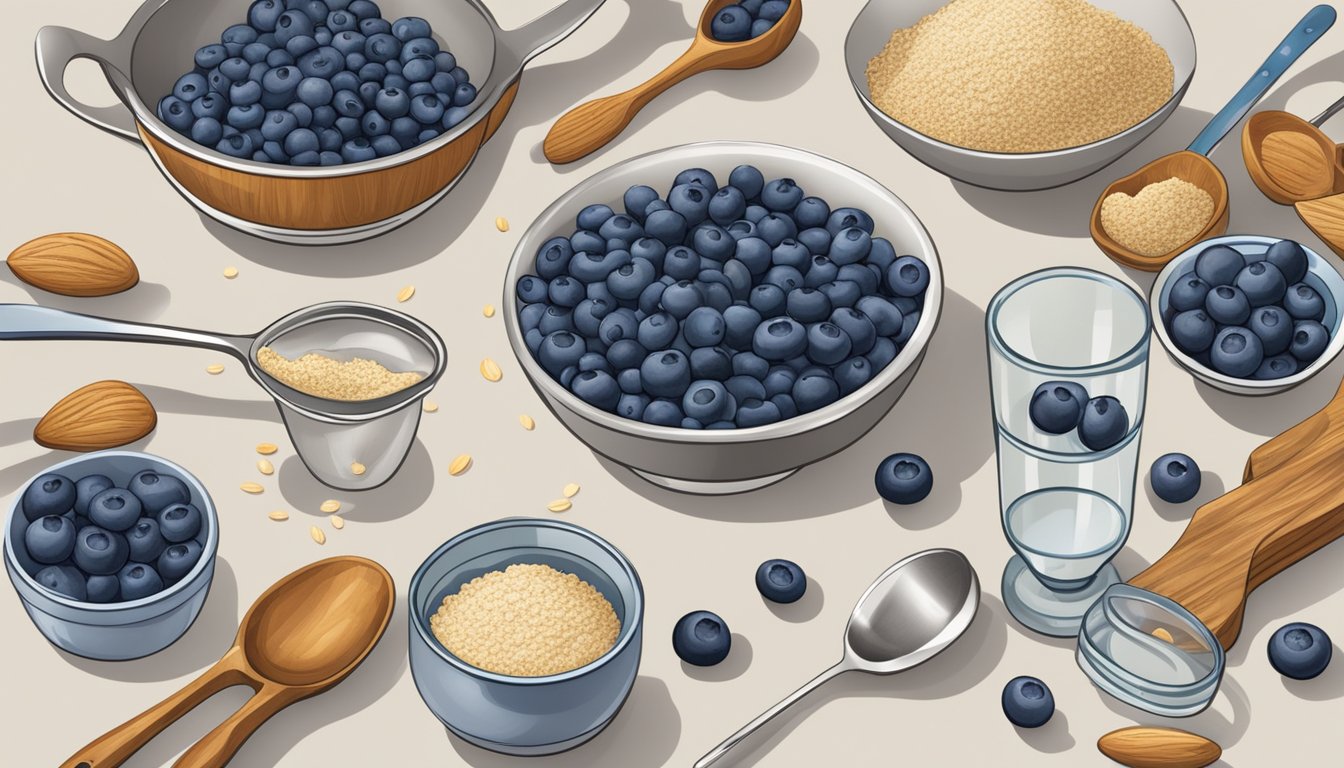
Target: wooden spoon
<point>1152,747</point>
<point>1289,158</point>
<point>304,635</point>
<point>1193,164</point>
<point>592,125</point>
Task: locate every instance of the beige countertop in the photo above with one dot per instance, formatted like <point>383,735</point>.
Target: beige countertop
<point>691,552</point>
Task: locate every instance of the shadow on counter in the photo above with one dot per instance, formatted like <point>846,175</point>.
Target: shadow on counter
<point>949,396</point>
<point>648,725</point>
<point>406,492</point>
<point>143,303</point>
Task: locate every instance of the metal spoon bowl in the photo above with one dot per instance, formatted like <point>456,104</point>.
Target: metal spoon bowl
<point>911,613</point>
<point>330,436</point>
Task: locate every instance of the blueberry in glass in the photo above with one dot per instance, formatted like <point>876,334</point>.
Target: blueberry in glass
<point>1057,406</point>
<point>1104,424</point>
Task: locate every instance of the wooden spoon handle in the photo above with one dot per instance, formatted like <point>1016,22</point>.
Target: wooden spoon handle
<point>114,747</point>
<point>218,747</point>
<point>594,124</point>
<point>1238,541</point>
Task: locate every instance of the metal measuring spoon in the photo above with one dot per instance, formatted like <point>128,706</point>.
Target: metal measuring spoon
<point>1193,164</point>
<point>330,436</point>
<point>592,125</point>
<point>910,614</point>
<point>1291,159</point>
<point>305,634</point>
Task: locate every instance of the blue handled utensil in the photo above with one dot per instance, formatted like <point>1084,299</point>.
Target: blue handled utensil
<point>1193,165</point>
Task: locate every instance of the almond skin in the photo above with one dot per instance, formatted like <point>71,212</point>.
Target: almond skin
<point>102,415</point>
<point>74,264</point>
<point>1153,747</point>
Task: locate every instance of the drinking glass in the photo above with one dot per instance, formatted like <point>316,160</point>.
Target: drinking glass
<point>1066,509</point>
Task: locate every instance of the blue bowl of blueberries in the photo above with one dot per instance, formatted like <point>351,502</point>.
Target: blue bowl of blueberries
<point>715,316</point>
<point>112,553</point>
<point>1249,315</point>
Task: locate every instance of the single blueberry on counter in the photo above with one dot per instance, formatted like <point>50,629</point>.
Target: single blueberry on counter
<point>904,478</point>
<point>1300,651</point>
<point>1057,406</point>
<point>49,494</point>
<point>1175,478</point>
<point>701,638</point>
<point>1105,423</point>
<point>781,581</point>
<point>1028,702</point>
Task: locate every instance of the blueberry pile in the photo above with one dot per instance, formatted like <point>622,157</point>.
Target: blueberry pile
<point>1028,702</point>
<point>98,543</point>
<point>1300,651</point>
<point>747,19</point>
<point>1060,407</point>
<point>1175,478</point>
<point>308,82</point>
<point>719,307</point>
<point>1248,319</point>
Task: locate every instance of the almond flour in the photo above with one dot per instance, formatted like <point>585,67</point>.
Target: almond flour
<point>1159,219</point>
<point>326,377</point>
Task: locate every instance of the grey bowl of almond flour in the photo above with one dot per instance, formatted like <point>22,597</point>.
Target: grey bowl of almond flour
<point>912,64</point>
<point>547,707</point>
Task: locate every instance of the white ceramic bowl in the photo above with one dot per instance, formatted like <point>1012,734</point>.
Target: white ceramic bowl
<point>1321,275</point>
<point>1162,19</point>
<point>731,460</point>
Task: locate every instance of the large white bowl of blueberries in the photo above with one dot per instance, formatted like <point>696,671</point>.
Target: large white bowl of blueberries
<point>1249,315</point>
<point>112,553</point>
<point>715,316</point>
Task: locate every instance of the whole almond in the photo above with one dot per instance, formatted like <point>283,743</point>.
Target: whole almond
<point>102,415</point>
<point>74,264</point>
<point>1153,747</point>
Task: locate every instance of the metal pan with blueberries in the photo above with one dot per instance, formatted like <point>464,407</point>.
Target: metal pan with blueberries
<point>717,315</point>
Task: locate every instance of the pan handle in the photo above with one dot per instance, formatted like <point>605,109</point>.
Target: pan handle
<point>55,48</point>
<point>539,34</point>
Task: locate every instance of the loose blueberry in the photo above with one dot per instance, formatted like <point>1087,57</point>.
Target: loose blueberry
<point>50,494</point>
<point>904,478</point>
<point>1028,702</point>
<point>114,509</point>
<point>1057,406</point>
<point>1175,478</point>
<point>1300,651</point>
<point>701,638</point>
<point>1290,258</point>
<point>64,580</point>
<point>50,540</point>
<point>178,560</point>
<point>138,581</point>
<point>1219,265</point>
<point>99,551</point>
<point>1105,423</point>
<point>781,581</point>
<point>1237,352</point>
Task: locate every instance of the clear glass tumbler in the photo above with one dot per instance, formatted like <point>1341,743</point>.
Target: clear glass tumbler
<point>1066,508</point>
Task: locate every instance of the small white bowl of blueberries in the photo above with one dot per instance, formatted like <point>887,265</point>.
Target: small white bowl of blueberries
<point>112,553</point>
<point>1249,315</point>
<point>716,316</point>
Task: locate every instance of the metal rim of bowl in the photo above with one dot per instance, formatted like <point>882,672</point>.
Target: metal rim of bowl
<point>148,118</point>
<point>1177,93</point>
<point>749,151</point>
<point>1156,307</point>
<point>208,549</point>
<point>628,628</point>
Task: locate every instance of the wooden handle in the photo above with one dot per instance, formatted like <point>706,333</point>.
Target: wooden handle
<point>114,747</point>
<point>594,124</point>
<point>218,747</point>
<point>1292,506</point>
<point>1150,747</point>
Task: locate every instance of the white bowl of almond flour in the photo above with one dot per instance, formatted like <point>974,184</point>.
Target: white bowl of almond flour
<point>526,634</point>
<point>1020,94</point>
